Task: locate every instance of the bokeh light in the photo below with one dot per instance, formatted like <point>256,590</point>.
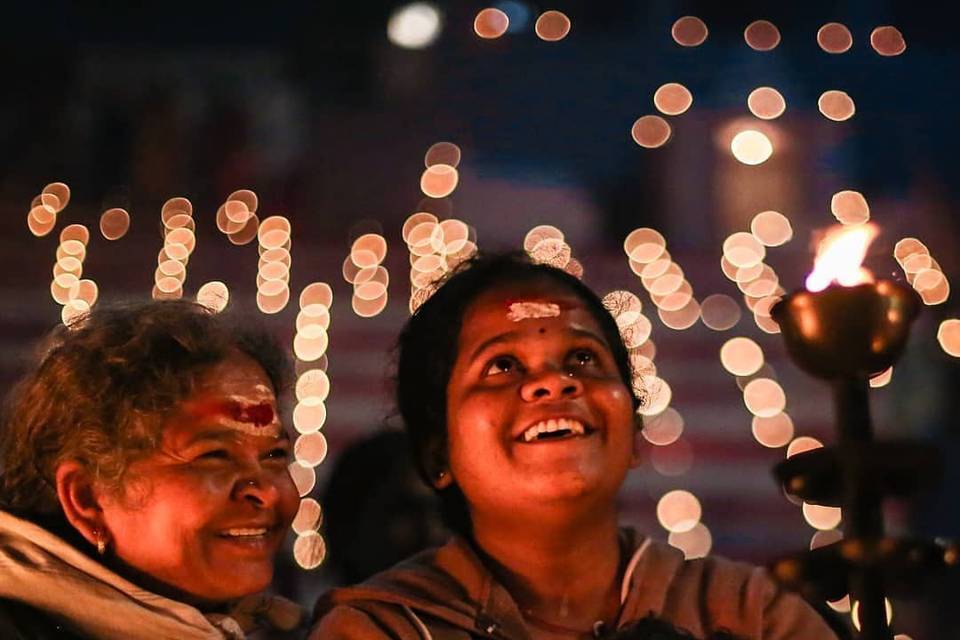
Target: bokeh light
<point>439,180</point>
<point>308,416</point>
<point>552,26</point>
<point>774,431</point>
<point>887,41</point>
<point>834,37</point>
<point>658,396</point>
<point>825,538</point>
<point>650,131</point>
<point>743,250</point>
<point>802,445</point>
<point>764,397</point>
<point>836,105</point>
<point>62,193</point>
<point>644,245</point>
<point>311,343</point>
<point>491,23</point>
<point>442,153</point>
<point>314,385</point>
<point>720,312</point>
<point>114,223</point>
<point>766,103</point>
<point>695,543</point>
<point>75,232</point>
<point>822,517</point>
<point>741,356</point>
<point>304,478</point>
<point>850,207</point>
<point>316,293</point>
<point>309,550</point>
<point>771,228</point>
<point>310,449</point>
<point>672,99</point>
<point>689,31</point>
<point>751,147</point>
<point>214,295</point>
<point>414,26</point>
<point>682,318</point>
<point>664,428</point>
<point>948,335</point>
<point>762,35</point>
<point>678,511</point>
<point>309,516</point>
<point>855,613</point>
<point>672,460</point>
<point>882,379</point>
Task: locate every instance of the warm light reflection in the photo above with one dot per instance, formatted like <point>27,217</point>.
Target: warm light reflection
<point>850,207</point>
<point>822,517</point>
<point>839,256</point>
<point>309,550</point>
<point>664,428</point>
<point>855,613</point>
<point>491,23</point>
<point>764,397</point>
<point>802,445</point>
<point>720,312</point>
<point>414,26</point>
<point>948,335</point>
<point>658,398</point>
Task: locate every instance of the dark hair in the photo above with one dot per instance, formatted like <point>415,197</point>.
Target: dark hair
<point>427,350</point>
<point>102,390</point>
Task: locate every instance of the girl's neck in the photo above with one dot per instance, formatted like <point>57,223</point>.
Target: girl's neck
<point>563,572</point>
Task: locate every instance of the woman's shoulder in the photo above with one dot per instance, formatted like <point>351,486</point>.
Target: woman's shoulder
<point>714,593</point>
<point>20,621</point>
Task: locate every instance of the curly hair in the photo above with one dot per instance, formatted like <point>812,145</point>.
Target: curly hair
<point>102,390</point>
<point>427,350</point>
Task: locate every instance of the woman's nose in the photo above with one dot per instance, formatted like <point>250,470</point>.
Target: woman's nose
<point>551,384</point>
<point>257,488</point>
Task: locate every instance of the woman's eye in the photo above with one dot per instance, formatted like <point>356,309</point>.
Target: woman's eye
<point>501,365</point>
<point>215,454</point>
<point>280,453</point>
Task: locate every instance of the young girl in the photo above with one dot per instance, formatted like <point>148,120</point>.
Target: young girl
<point>515,387</point>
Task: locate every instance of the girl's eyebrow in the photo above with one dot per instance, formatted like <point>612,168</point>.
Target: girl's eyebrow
<point>510,336</point>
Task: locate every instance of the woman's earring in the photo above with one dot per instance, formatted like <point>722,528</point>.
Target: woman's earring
<point>101,541</point>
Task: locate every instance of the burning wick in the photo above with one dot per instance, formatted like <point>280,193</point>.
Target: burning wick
<point>839,256</point>
<point>526,310</point>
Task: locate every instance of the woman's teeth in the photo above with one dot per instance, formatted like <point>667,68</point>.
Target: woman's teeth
<point>244,533</point>
<point>553,428</point>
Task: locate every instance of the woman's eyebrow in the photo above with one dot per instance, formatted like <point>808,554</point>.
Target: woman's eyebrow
<point>497,339</point>
<point>586,333</point>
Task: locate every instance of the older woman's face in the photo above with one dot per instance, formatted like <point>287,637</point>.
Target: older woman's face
<point>207,512</point>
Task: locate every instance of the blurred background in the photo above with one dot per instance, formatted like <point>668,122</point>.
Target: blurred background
<point>326,110</point>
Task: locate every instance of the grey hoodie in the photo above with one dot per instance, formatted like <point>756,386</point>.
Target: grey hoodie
<point>448,594</point>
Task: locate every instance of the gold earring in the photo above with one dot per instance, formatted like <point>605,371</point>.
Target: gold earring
<point>101,541</point>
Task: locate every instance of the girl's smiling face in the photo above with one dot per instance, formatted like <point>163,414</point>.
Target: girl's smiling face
<point>537,412</point>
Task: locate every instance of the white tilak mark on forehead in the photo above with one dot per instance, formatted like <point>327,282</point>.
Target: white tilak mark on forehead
<point>527,310</point>
<point>272,430</point>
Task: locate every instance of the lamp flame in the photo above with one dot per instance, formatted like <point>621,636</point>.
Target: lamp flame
<point>839,256</point>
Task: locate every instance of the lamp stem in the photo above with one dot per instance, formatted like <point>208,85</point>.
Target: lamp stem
<point>862,505</point>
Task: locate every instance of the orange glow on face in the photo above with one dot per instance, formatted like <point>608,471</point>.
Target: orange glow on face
<point>839,257</point>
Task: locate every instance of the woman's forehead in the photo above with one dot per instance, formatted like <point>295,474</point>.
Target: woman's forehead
<point>514,306</point>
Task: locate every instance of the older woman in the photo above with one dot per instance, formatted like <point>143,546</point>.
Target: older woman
<point>143,480</point>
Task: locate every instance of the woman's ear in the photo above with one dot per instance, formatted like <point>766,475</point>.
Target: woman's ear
<point>438,466</point>
<point>79,501</point>
<point>636,456</point>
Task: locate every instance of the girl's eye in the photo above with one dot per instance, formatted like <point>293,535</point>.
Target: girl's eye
<point>501,365</point>
<point>584,357</point>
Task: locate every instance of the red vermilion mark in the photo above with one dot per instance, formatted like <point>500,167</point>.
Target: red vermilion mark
<point>258,415</point>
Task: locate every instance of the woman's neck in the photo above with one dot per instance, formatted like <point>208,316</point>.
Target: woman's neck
<point>562,572</point>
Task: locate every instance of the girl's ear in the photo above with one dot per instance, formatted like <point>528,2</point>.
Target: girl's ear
<point>437,466</point>
<point>636,456</point>
<point>80,502</point>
